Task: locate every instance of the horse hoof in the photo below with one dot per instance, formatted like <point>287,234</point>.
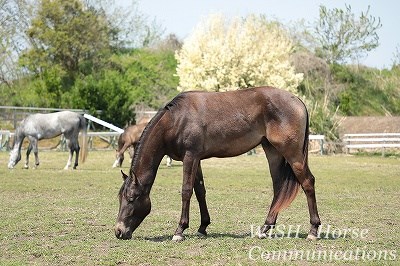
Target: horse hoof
<point>201,235</point>
<point>262,235</point>
<point>26,167</point>
<point>311,237</point>
<point>178,238</point>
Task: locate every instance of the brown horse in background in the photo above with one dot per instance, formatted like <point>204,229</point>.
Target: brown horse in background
<point>199,125</point>
<point>129,138</point>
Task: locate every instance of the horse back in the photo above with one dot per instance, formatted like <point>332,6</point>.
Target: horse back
<point>44,126</point>
<point>131,134</point>
<point>225,124</point>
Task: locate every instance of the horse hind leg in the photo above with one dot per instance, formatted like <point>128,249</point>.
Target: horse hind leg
<point>298,161</point>
<point>76,148</point>
<point>307,181</point>
<point>36,152</point>
<point>168,161</point>
<point>285,186</point>
<point>68,144</point>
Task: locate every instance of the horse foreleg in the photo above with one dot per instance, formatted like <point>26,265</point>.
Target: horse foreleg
<point>120,156</point>
<point>190,167</point>
<point>28,152</point>
<point>200,192</point>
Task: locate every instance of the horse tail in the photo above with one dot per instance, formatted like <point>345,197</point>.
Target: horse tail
<point>287,187</point>
<point>84,149</point>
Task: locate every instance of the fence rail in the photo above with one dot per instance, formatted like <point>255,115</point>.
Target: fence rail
<point>380,141</point>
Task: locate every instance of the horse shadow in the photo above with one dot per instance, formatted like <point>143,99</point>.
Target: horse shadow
<point>165,238</point>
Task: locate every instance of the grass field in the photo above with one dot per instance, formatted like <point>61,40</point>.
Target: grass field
<point>54,217</point>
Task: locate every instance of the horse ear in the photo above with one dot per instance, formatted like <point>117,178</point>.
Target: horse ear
<point>124,176</point>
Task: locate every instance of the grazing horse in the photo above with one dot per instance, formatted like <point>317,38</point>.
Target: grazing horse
<point>46,126</point>
<point>199,125</point>
<point>129,138</point>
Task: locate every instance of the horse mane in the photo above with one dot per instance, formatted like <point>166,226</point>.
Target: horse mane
<point>19,133</point>
<point>142,138</point>
<point>174,103</point>
<point>177,100</point>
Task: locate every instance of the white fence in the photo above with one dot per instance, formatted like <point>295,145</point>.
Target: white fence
<point>110,138</point>
<point>374,141</point>
<point>320,139</point>
<point>5,137</point>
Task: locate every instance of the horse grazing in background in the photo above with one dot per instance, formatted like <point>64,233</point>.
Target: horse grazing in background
<point>199,125</point>
<point>129,138</point>
<point>46,126</point>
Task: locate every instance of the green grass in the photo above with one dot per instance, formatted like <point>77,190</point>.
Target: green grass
<point>54,217</point>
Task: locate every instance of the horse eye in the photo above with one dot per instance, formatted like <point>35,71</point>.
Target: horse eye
<point>132,198</point>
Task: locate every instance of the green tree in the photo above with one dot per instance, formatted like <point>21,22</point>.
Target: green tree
<point>14,18</point>
<point>67,40</point>
<point>342,36</point>
<point>141,76</point>
<point>106,91</point>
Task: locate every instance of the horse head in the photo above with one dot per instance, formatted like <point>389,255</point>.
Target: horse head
<point>134,206</point>
<point>15,157</point>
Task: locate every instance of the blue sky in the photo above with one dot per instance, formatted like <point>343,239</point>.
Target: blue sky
<point>181,16</point>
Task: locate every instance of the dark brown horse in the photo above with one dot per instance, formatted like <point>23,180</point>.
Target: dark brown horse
<point>200,125</point>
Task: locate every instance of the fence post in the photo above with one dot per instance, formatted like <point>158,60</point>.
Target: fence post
<point>322,146</point>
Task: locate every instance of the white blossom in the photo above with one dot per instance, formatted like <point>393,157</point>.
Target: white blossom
<point>225,55</point>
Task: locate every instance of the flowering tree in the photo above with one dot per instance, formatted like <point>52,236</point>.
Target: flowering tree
<point>225,55</point>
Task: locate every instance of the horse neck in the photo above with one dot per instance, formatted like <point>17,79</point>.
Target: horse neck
<point>18,139</point>
<point>148,154</point>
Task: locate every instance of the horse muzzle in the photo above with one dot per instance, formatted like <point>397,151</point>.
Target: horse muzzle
<point>122,232</point>
<point>11,165</point>
<point>125,232</point>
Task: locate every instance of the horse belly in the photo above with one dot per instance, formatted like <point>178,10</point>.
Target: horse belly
<point>231,145</point>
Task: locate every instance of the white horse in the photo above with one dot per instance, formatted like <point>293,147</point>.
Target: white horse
<point>46,126</point>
